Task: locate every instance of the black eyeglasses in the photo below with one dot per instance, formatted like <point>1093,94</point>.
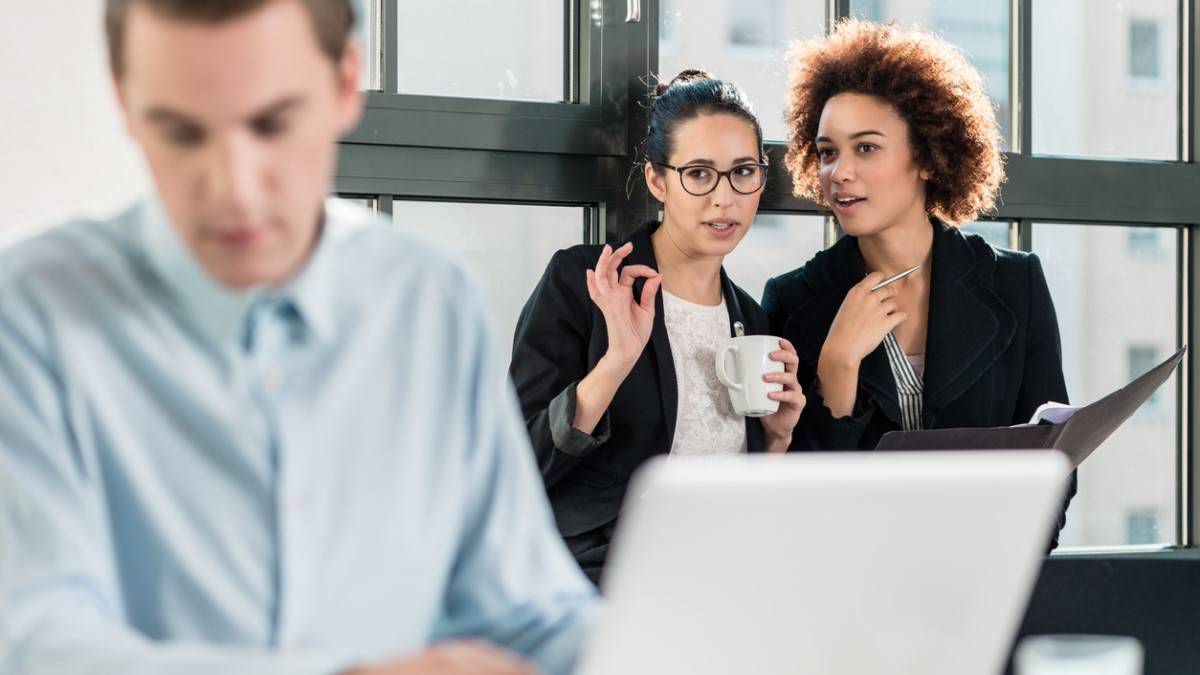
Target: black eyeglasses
<point>699,179</point>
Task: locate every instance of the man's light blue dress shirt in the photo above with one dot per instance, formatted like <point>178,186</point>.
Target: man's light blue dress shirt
<point>290,481</point>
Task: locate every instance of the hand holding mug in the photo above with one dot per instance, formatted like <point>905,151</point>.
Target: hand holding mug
<point>760,373</point>
<point>778,427</point>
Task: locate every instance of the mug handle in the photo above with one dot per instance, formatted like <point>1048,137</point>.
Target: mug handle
<point>722,353</point>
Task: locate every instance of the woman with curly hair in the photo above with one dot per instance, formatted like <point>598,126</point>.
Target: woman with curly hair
<point>891,130</point>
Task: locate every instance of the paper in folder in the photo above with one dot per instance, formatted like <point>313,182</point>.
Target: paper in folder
<point>1075,431</point>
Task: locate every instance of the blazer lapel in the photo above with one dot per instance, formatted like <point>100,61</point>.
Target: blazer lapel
<point>970,326</point>
<point>755,439</point>
<point>643,254</point>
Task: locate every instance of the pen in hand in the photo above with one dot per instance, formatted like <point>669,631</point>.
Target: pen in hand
<point>894,278</point>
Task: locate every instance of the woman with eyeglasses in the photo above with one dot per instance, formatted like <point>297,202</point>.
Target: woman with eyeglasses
<point>613,357</point>
<point>892,130</point>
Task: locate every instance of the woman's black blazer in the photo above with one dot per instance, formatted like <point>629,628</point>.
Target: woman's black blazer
<point>559,338</point>
<point>993,352</point>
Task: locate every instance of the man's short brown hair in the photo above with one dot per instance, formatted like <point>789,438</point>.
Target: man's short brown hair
<point>333,20</point>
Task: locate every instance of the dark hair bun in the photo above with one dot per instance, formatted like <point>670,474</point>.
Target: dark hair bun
<point>684,76</point>
<point>688,95</point>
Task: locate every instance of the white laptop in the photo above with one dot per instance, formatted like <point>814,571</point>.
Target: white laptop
<point>831,564</point>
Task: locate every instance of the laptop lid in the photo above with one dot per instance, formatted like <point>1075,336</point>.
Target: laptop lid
<point>839,563</point>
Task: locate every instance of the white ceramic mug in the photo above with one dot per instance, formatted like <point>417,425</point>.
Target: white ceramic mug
<point>750,356</point>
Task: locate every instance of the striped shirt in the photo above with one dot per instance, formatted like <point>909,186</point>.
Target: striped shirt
<point>909,386</point>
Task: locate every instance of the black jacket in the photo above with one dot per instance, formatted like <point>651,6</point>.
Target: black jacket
<point>992,356</point>
<point>559,339</point>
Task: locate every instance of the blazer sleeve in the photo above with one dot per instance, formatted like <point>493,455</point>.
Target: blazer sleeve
<point>772,305</point>
<point>550,357</point>
<point>1042,379</point>
<point>817,428</point>
<point>821,431</point>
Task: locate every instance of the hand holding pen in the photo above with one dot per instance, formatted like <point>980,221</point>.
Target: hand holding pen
<point>867,315</point>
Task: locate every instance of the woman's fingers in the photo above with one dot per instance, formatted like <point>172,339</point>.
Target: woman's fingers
<point>631,272</point>
<point>648,292</point>
<point>786,378</point>
<point>615,262</point>
<point>790,396</point>
<point>787,358</point>
<point>620,253</point>
<point>869,281</point>
<point>607,265</point>
<point>593,291</point>
<point>602,268</point>
<point>602,281</point>
<point>885,293</point>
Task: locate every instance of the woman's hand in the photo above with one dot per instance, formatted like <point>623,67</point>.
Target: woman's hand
<point>628,320</point>
<point>862,322</point>
<point>778,427</point>
<point>629,323</point>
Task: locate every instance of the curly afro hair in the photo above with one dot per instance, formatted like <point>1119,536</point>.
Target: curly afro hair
<point>929,82</point>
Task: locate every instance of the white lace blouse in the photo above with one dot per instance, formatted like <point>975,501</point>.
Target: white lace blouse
<point>705,423</point>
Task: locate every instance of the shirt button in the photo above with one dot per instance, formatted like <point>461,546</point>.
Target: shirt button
<point>273,379</point>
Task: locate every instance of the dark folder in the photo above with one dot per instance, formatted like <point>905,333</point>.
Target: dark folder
<point>1090,426</point>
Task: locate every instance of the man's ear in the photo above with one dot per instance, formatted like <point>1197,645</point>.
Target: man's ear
<point>350,97</point>
<point>122,102</point>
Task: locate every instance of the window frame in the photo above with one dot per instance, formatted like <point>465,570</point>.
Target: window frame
<point>585,153</point>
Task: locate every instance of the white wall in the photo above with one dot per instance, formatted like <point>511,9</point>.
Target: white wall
<point>62,147</point>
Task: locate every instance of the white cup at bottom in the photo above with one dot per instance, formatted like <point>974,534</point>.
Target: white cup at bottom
<point>1078,655</point>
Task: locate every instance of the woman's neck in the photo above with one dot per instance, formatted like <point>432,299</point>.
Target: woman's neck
<point>694,278</point>
<point>906,244</point>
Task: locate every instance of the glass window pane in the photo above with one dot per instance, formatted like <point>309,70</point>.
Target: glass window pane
<point>996,233</point>
<point>776,243</point>
<point>369,203</point>
<point>1105,78</point>
<point>980,27</point>
<point>482,49</point>
<point>1116,307</point>
<point>367,30</point>
<point>507,245</point>
<point>743,41</point>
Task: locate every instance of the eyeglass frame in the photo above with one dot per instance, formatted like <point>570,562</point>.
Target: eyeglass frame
<point>728,174</point>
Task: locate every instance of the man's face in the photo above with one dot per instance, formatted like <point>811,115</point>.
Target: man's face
<point>239,122</point>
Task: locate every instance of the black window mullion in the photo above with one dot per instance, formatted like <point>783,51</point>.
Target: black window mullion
<point>389,77</point>
<point>836,10</point>
<point>635,205</point>
<point>1188,473</point>
<point>571,30</point>
<point>1187,80</point>
<point>1185,413</point>
<point>1023,143</point>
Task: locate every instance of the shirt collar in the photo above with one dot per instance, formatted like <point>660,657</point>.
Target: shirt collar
<point>219,311</point>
